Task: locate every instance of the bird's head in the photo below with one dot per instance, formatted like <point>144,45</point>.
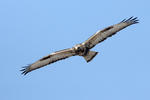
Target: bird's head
<point>80,49</point>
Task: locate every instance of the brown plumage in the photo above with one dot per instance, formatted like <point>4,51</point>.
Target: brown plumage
<point>82,49</point>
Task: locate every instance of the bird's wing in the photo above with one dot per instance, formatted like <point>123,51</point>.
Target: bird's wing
<point>109,31</point>
<point>53,57</point>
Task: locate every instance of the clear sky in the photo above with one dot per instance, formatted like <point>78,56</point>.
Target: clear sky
<point>31,29</point>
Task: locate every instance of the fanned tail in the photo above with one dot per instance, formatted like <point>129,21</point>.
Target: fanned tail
<point>90,55</point>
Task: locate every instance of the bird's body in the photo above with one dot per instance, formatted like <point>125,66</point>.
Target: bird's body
<point>82,49</point>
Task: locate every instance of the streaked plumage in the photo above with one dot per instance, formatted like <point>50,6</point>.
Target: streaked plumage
<point>82,49</point>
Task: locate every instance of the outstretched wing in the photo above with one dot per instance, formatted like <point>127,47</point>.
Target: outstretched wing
<point>109,31</point>
<point>59,55</point>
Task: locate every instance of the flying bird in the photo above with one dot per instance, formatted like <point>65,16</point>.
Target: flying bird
<point>82,49</point>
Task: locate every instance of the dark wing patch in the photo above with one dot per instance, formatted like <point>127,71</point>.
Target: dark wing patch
<point>106,29</point>
<point>44,58</point>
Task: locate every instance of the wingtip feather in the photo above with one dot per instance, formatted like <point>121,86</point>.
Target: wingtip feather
<point>25,70</point>
<point>131,20</point>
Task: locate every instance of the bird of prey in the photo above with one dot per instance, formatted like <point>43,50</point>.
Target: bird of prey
<point>82,49</point>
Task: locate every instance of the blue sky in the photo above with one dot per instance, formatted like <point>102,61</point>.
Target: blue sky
<point>31,29</point>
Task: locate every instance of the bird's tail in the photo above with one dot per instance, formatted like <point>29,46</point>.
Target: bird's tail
<point>90,55</point>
